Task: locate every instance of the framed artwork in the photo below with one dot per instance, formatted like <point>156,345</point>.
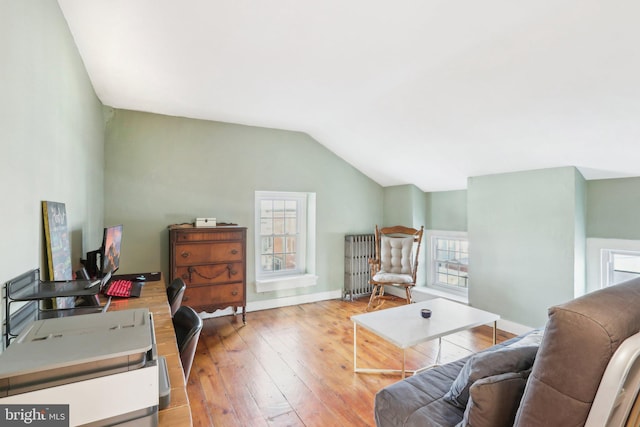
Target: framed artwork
<point>56,236</point>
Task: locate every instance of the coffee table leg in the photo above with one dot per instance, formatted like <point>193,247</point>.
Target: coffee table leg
<point>402,371</point>
<point>404,360</point>
<point>495,328</point>
<point>355,353</point>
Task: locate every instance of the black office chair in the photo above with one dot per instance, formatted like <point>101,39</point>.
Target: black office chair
<point>175,292</point>
<point>188,325</point>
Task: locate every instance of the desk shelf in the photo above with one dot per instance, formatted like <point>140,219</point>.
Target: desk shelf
<point>46,290</point>
<point>27,290</point>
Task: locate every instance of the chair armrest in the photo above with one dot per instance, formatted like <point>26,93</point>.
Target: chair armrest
<point>374,264</point>
<point>617,392</point>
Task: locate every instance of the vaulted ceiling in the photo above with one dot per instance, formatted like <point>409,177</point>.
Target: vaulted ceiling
<point>424,92</point>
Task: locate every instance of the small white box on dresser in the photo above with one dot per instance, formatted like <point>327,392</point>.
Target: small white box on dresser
<point>205,222</point>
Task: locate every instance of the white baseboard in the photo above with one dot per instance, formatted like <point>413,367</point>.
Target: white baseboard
<point>513,327</point>
<point>279,302</point>
<point>423,294</point>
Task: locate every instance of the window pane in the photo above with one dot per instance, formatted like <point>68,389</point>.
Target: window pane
<point>278,208</point>
<point>291,207</point>
<point>626,266</point>
<point>282,222</point>
<point>281,233</point>
<point>442,267</point>
<point>266,226</point>
<point>267,245</point>
<point>278,263</point>
<point>626,262</point>
<point>450,262</point>
<point>291,226</point>
<point>278,226</point>
<point>291,244</point>
<point>453,280</point>
<point>267,262</point>
<point>266,208</point>
<point>278,245</point>
<point>291,261</point>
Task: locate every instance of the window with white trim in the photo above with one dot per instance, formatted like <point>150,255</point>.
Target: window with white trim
<point>284,240</point>
<point>603,267</point>
<point>449,261</point>
<point>619,266</point>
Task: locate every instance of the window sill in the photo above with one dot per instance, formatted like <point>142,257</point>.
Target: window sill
<point>286,282</point>
<point>426,290</point>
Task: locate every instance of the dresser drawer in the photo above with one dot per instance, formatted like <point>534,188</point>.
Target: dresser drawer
<point>207,235</point>
<point>219,294</point>
<point>211,273</point>
<point>198,253</point>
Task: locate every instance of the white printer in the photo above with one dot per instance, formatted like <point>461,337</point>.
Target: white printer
<point>103,365</point>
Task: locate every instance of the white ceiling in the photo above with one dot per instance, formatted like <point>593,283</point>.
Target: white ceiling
<point>424,92</point>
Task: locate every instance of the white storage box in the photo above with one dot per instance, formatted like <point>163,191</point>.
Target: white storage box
<point>205,222</point>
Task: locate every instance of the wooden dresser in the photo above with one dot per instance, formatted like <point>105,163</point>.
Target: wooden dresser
<point>212,262</point>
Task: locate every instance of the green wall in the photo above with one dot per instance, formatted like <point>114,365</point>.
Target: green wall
<point>404,205</point>
<point>580,235</point>
<point>164,170</point>
<point>447,210</point>
<point>523,236</point>
<point>419,208</point>
<point>613,206</point>
<point>51,136</point>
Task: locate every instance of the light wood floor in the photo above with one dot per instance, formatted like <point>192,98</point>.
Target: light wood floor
<point>293,366</point>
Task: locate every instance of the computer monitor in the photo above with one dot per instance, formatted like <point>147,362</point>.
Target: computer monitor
<point>110,250</point>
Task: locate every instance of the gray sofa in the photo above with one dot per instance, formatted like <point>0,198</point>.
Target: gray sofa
<point>538,379</point>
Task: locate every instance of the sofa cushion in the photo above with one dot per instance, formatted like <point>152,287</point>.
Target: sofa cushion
<point>494,401</point>
<point>531,338</point>
<point>482,365</point>
<point>579,340</point>
<point>417,400</point>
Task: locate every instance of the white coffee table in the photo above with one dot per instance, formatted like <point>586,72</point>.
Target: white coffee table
<point>404,326</point>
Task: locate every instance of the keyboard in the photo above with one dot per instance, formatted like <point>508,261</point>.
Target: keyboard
<point>119,288</point>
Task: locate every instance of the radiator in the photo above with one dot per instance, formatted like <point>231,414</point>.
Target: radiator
<point>358,249</point>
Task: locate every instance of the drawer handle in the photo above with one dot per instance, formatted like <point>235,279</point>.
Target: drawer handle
<point>234,251</point>
<point>228,269</point>
<point>185,276</point>
<point>234,293</point>
<point>185,254</point>
<point>233,272</point>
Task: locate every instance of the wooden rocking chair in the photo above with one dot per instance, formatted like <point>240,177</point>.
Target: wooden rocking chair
<point>396,261</point>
